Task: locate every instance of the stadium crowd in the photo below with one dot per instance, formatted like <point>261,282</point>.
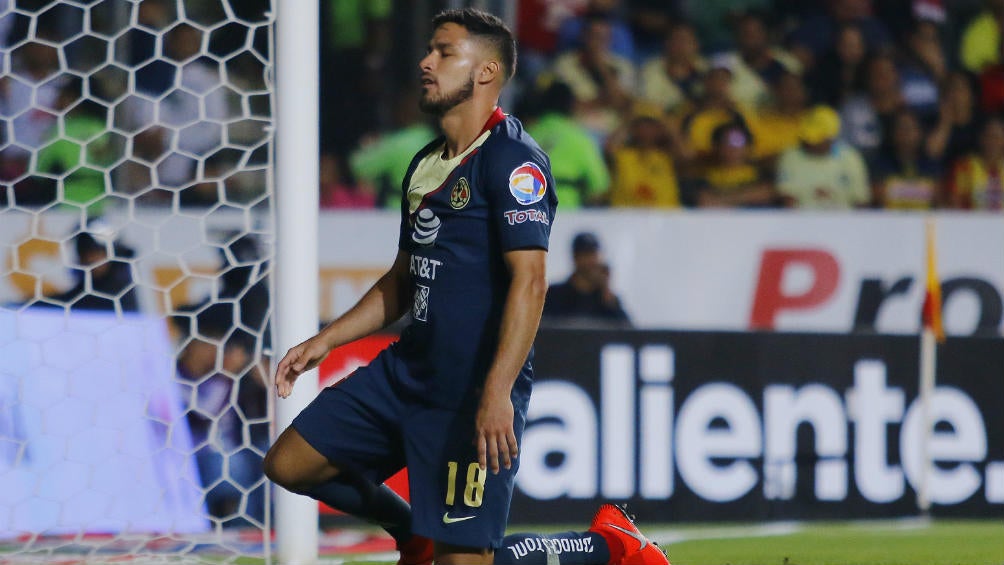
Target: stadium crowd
<point>833,104</point>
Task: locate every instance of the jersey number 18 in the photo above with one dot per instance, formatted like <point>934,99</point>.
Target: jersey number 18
<point>474,490</point>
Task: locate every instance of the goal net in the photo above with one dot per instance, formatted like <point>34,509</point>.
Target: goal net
<point>136,198</point>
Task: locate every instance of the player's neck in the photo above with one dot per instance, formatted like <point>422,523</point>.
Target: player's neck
<point>463,124</point>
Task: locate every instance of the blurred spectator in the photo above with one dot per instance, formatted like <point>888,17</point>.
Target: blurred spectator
<point>570,33</point>
<point>208,190</point>
<point>714,19</point>
<point>585,298</point>
<point>537,23</point>
<point>206,377</point>
<point>906,177</point>
<point>29,93</point>
<point>838,75</point>
<point>580,173</point>
<point>651,21</point>
<point>865,118</point>
<point>155,75</point>
<point>756,64</point>
<point>644,174</point>
<point>731,180</point>
<point>776,125</point>
<point>186,125</point>
<point>957,130</point>
<point>922,67</point>
<point>78,150</point>
<point>601,80</point>
<point>673,79</point>
<point>103,273</point>
<point>900,16</point>
<point>337,191</point>
<point>991,87</point>
<point>355,42</point>
<point>382,160</point>
<point>715,107</point>
<point>822,172</point>
<point>817,34</point>
<point>221,336</point>
<point>981,40</point>
<point>977,181</point>
<point>242,298</point>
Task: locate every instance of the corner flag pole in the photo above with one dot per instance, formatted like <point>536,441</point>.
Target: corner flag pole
<point>933,332</point>
<point>295,314</point>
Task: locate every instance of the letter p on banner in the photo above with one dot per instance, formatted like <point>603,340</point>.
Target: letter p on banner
<point>771,299</point>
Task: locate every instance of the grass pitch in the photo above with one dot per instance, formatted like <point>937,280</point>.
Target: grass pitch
<point>880,542</point>
<point>884,542</point>
<point>913,542</point>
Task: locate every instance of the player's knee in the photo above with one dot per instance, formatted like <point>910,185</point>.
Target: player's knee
<point>281,470</point>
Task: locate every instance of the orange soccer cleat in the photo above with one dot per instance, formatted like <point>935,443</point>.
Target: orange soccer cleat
<point>416,551</point>
<point>628,546</point>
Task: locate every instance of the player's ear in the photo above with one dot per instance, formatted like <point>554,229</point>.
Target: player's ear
<point>489,71</point>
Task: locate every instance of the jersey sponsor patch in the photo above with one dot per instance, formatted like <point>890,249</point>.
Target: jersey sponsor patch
<point>426,227</point>
<point>460,195</point>
<point>527,183</point>
<point>420,307</point>
<point>514,217</point>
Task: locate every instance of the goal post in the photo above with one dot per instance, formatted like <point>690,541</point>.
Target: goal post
<point>297,210</point>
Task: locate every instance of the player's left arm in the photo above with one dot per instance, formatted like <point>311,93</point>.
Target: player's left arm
<point>494,435</point>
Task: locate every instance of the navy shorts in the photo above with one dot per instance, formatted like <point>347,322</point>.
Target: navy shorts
<point>363,423</point>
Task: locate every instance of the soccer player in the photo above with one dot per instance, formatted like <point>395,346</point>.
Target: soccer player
<point>449,399</point>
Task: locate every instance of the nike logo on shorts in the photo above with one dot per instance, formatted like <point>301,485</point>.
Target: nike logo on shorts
<point>641,539</point>
<point>448,520</point>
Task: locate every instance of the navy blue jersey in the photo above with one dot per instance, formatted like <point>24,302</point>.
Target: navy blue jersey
<point>459,217</point>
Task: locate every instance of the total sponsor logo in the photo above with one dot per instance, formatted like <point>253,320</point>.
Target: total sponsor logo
<point>514,217</point>
<point>527,183</point>
<point>713,443</point>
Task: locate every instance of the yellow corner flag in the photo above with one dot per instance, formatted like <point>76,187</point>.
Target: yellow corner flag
<point>932,294</point>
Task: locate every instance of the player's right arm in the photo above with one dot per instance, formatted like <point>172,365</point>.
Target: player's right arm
<point>383,304</point>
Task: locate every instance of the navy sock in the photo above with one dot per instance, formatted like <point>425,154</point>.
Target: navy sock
<point>360,497</point>
<point>570,548</point>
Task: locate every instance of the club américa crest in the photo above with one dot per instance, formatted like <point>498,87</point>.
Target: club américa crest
<point>461,194</point>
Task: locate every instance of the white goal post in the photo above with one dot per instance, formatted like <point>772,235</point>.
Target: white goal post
<point>296,278</point>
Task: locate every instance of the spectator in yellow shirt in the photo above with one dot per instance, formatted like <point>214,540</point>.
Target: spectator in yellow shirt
<point>776,125</point>
<point>643,169</point>
<point>732,180</point>
<point>716,107</point>
<point>977,181</point>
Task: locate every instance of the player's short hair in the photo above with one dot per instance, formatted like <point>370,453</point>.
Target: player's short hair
<point>486,27</point>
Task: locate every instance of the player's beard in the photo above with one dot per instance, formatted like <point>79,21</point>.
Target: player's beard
<point>446,102</point>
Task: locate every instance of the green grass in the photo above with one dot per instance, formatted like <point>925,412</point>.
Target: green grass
<point>885,542</point>
<point>871,543</point>
<point>880,542</point>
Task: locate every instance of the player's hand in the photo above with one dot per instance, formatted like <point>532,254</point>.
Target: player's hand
<point>297,361</point>
<point>494,436</point>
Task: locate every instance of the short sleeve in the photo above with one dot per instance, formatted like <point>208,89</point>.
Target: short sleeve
<point>404,234</point>
<point>521,196</point>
